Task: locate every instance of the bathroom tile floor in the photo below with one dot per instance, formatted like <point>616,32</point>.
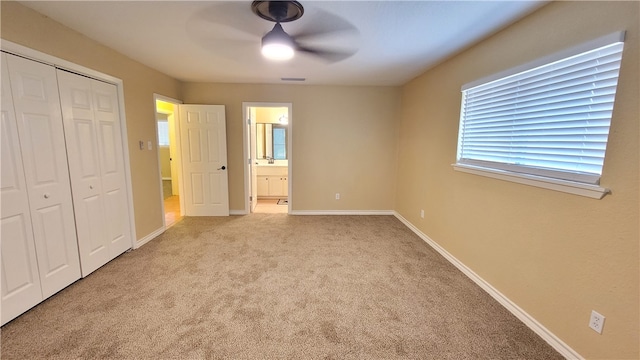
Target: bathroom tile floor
<point>270,206</point>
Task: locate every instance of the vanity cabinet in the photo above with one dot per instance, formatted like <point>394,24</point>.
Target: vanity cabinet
<point>273,185</point>
<point>273,181</point>
<point>263,185</point>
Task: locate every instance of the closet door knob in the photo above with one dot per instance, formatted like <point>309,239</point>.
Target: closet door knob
<point>46,196</point>
<point>91,187</point>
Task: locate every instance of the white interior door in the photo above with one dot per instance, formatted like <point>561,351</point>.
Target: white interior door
<point>20,279</point>
<point>173,156</point>
<point>96,164</point>
<point>253,161</point>
<point>40,129</point>
<point>204,160</point>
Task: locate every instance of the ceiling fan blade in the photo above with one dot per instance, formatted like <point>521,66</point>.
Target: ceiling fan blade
<point>235,15</point>
<point>323,24</point>
<point>325,54</point>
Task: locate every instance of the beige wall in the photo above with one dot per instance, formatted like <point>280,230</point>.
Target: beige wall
<point>556,255</point>
<point>344,140</point>
<point>26,27</point>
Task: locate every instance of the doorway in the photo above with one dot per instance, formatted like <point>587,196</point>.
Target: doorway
<point>268,150</point>
<point>168,157</point>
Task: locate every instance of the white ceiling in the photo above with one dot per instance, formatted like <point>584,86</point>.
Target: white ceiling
<point>219,41</point>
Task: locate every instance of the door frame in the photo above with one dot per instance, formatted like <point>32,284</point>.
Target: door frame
<point>176,125</point>
<point>245,151</point>
<point>58,63</point>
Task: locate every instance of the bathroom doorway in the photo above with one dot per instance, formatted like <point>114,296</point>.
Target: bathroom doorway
<point>268,150</point>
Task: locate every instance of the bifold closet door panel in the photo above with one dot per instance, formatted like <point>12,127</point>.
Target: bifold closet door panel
<point>111,154</point>
<point>39,124</point>
<point>40,130</point>
<point>20,279</point>
<point>94,147</point>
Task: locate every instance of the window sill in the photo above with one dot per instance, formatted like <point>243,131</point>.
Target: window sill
<point>591,191</point>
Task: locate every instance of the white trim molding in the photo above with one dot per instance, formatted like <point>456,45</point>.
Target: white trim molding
<point>512,307</point>
<point>342,212</point>
<point>570,187</point>
<point>149,237</point>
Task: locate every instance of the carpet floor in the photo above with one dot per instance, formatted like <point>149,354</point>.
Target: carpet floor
<point>272,286</point>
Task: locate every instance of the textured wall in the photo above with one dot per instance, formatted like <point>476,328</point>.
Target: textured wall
<point>556,255</point>
<point>344,140</point>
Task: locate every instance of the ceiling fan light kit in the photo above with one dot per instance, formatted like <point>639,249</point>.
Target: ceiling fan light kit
<point>277,45</point>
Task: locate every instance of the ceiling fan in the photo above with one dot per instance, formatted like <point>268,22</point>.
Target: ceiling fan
<point>279,45</point>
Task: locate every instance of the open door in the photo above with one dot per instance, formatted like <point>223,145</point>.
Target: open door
<point>203,141</point>
<point>252,160</point>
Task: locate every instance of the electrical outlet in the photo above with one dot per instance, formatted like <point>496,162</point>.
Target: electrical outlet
<point>596,322</point>
<point>422,214</point>
<point>337,196</point>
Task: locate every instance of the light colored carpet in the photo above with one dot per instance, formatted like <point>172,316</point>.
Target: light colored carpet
<point>272,286</point>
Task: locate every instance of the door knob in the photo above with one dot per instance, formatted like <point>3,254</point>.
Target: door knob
<point>222,168</point>
<point>46,196</point>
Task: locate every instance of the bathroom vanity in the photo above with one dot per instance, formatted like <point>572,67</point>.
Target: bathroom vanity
<point>272,181</point>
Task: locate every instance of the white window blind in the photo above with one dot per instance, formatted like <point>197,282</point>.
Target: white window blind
<point>551,121</point>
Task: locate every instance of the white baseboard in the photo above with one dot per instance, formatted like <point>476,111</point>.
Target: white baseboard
<point>527,319</point>
<point>342,212</point>
<point>238,212</point>
<point>149,237</point>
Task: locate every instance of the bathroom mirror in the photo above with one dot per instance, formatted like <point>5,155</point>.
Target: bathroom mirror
<point>271,141</point>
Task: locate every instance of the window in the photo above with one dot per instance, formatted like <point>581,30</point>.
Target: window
<point>279,142</point>
<point>548,121</point>
<point>163,132</point>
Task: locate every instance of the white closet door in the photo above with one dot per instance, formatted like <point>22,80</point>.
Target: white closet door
<point>94,146</point>
<point>37,107</point>
<point>112,166</point>
<point>20,279</point>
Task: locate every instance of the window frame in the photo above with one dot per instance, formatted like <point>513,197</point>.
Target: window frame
<point>535,177</point>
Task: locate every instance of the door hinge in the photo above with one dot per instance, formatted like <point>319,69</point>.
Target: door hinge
<point>249,161</point>
<point>248,121</point>
<point>250,198</point>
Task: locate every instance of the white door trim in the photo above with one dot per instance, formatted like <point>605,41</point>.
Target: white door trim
<point>56,62</point>
<point>245,135</point>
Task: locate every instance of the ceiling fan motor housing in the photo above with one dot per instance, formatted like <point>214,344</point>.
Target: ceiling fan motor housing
<point>278,11</point>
